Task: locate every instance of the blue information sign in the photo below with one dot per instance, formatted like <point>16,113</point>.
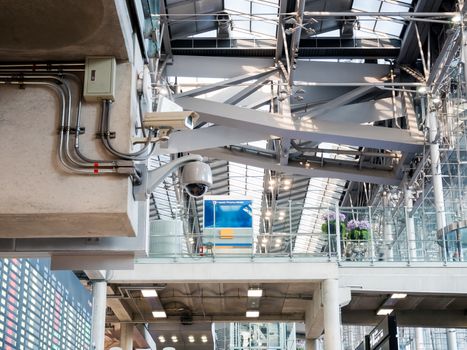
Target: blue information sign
<point>228,213</point>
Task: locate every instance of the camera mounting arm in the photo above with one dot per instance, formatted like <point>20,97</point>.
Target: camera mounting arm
<point>150,179</point>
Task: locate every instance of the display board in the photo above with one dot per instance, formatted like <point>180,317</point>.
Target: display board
<point>42,310</point>
<point>222,212</point>
<point>228,224</point>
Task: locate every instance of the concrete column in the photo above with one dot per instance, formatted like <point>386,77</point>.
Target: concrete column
<point>331,311</point>
<point>419,339</point>
<point>312,344</point>
<point>410,222</point>
<point>452,339</point>
<point>99,295</point>
<point>126,336</point>
<point>387,228</point>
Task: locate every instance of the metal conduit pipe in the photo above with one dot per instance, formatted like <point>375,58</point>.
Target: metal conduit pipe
<point>62,118</point>
<point>105,137</point>
<point>93,166</point>
<point>88,161</point>
<point>63,90</point>
<point>64,93</point>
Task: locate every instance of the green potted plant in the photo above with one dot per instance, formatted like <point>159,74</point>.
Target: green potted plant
<point>358,230</point>
<point>329,224</point>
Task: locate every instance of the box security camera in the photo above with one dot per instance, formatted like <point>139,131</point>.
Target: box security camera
<point>171,120</point>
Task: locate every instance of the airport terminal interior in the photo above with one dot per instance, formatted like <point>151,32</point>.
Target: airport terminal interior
<point>233,175</point>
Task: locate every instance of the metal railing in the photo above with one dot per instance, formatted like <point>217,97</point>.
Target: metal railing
<point>356,234</point>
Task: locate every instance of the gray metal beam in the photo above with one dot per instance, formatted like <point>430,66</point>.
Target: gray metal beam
<point>216,67</point>
<point>280,37</point>
<point>309,130</point>
<point>244,93</point>
<point>214,136</point>
<point>225,83</point>
<point>358,113</point>
<point>409,50</point>
<point>337,171</point>
<point>339,101</point>
<point>338,72</point>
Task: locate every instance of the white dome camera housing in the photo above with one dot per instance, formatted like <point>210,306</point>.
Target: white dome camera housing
<point>196,178</point>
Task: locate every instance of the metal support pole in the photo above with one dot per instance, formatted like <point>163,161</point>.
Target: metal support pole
<point>372,239</point>
<point>290,230</point>
<point>126,336</point>
<point>410,223</point>
<point>329,240</point>
<point>436,171</point>
<point>99,295</point>
<point>331,310</point>
<point>452,339</point>
<point>419,341</point>
<point>387,228</point>
<point>338,234</point>
<point>439,199</point>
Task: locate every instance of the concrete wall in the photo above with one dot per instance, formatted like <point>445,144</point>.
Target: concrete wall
<point>38,198</point>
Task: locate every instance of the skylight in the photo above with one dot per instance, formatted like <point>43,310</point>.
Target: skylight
<point>382,25</point>
<point>253,18</point>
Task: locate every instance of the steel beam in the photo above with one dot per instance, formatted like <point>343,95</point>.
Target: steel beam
<point>226,83</point>
<point>244,93</point>
<point>339,101</point>
<point>308,130</point>
<point>409,48</point>
<point>214,136</point>
<point>340,73</point>
<point>280,37</point>
<point>358,113</point>
<point>216,67</point>
<point>336,171</point>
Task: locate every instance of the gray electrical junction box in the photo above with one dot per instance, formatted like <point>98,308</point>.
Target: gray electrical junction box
<point>99,78</point>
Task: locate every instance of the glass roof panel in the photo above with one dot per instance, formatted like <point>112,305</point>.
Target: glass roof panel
<point>383,25</point>
<point>253,17</point>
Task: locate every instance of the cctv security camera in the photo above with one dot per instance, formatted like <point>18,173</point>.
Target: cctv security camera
<point>171,120</point>
<point>196,178</point>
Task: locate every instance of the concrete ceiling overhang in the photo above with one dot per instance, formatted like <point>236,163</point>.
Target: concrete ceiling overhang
<point>220,302</point>
<point>416,310</point>
<point>65,30</point>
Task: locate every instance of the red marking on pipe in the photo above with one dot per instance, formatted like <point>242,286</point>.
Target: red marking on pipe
<point>96,165</point>
<point>96,171</point>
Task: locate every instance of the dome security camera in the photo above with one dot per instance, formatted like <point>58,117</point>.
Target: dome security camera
<point>196,178</point>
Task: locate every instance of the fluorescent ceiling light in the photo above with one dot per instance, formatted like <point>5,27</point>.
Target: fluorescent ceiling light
<point>204,339</point>
<point>255,293</point>
<point>161,339</point>
<point>174,338</point>
<point>399,296</point>
<point>252,313</point>
<point>384,312</point>
<point>191,339</point>
<point>149,293</point>
<point>159,314</point>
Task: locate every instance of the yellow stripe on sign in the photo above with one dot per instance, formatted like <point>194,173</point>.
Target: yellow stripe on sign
<point>226,233</point>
